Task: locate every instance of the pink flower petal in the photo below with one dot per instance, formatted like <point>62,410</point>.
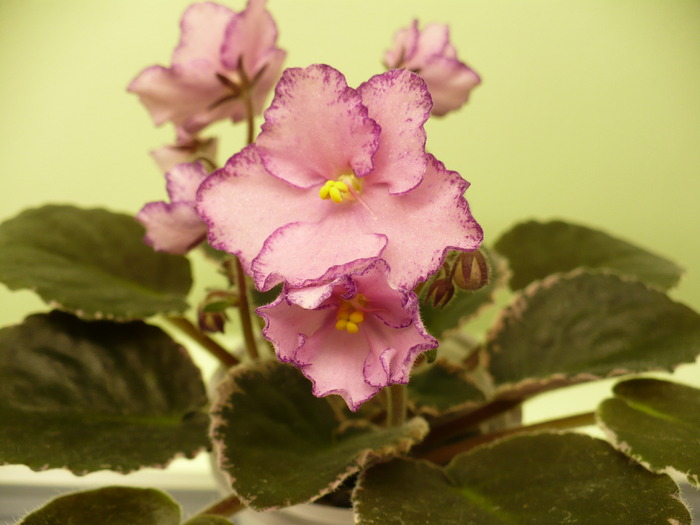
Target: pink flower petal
<point>249,36</point>
<point>172,228</point>
<point>243,205</point>
<point>430,54</point>
<point>285,255</point>
<point>405,43</point>
<point>450,81</point>
<point>433,40</point>
<point>316,128</point>
<point>183,180</point>
<point>425,223</point>
<point>202,30</point>
<point>399,102</point>
<point>353,365</point>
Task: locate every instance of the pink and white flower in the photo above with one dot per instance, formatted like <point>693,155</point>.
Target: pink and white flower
<point>430,54</point>
<point>222,58</point>
<point>175,227</point>
<point>338,177</point>
<point>351,336</point>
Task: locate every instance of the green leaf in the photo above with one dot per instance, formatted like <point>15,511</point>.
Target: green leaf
<point>586,326</point>
<point>282,446</point>
<point>465,304</point>
<point>97,395</point>
<point>657,423</point>
<point>443,387</point>
<point>543,479</point>
<point>536,250</point>
<point>109,505</point>
<point>93,263</point>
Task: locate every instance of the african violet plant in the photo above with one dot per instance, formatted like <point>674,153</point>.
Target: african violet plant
<point>353,262</point>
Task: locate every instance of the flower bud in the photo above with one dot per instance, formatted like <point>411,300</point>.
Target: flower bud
<point>211,314</point>
<point>440,292</point>
<point>471,271</point>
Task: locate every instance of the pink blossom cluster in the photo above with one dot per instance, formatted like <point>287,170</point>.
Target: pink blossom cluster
<point>337,200</point>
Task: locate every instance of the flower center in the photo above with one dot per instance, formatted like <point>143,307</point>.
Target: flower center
<point>344,189</point>
<point>350,315</point>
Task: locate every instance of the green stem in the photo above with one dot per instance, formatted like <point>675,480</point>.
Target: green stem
<point>185,326</point>
<point>396,405</point>
<point>455,427</point>
<point>224,507</point>
<point>245,313</point>
<point>443,455</point>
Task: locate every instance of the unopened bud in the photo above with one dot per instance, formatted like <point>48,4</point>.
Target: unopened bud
<point>211,313</point>
<point>471,271</point>
<point>440,292</point>
<point>212,321</point>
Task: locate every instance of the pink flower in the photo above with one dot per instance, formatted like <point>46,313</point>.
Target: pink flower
<point>221,57</point>
<point>430,54</point>
<point>176,227</point>
<point>351,336</point>
<point>338,177</point>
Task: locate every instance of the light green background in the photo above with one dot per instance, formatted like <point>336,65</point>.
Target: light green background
<point>589,110</point>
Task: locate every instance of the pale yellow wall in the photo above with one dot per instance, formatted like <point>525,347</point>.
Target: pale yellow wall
<point>589,110</point>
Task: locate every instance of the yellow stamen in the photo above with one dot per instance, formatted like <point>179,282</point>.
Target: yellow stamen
<point>356,317</point>
<point>343,189</point>
<point>348,317</point>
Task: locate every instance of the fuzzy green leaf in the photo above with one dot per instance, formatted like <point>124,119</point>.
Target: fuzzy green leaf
<point>586,326</point>
<point>97,395</point>
<point>547,479</point>
<point>282,446</point>
<point>109,505</point>
<point>93,263</point>
<point>657,423</point>
<point>442,388</point>
<point>536,250</point>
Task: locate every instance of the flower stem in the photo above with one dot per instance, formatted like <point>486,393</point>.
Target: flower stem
<point>396,405</point>
<point>185,326</point>
<point>224,507</point>
<point>443,455</point>
<point>454,427</point>
<point>245,313</point>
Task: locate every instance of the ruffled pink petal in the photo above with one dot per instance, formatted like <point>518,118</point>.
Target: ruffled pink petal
<point>316,128</point>
<point>334,361</point>
<point>183,180</point>
<point>172,228</point>
<point>399,102</point>
<point>390,365</point>
<point>178,93</point>
<point>288,325</point>
<point>249,36</point>
<point>202,28</point>
<point>423,224</point>
<point>432,41</point>
<point>449,82</point>
<point>300,253</point>
<point>405,43</point>
<point>311,297</point>
<point>243,205</point>
<point>354,366</point>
